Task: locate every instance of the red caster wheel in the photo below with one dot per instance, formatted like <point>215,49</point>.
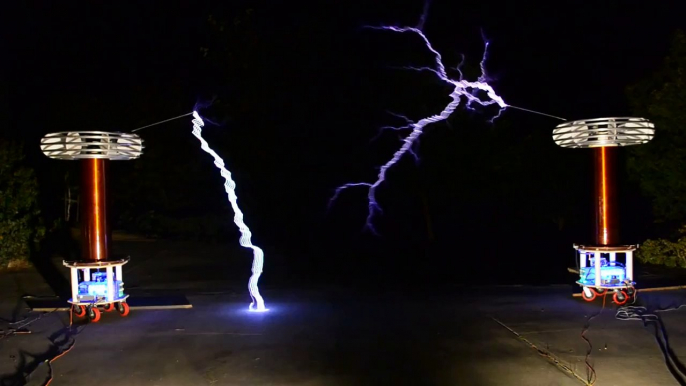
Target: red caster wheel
<point>94,314</point>
<point>79,311</point>
<point>588,294</point>
<point>123,308</point>
<point>620,297</point>
<point>108,307</point>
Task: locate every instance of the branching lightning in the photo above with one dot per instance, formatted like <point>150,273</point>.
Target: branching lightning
<point>461,89</point>
<point>230,187</point>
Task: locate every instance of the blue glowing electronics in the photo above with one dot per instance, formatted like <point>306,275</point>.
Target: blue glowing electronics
<point>97,287</point>
<point>601,274</point>
<point>611,273</point>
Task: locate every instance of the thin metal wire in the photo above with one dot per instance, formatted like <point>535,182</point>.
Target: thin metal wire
<point>536,112</point>
<point>510,106</point>
<point>546,354</point>
<point>160,122</point>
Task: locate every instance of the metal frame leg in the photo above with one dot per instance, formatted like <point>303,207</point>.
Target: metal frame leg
<point>630,265</point>
<point>110,284</point>
<point>74,284</point>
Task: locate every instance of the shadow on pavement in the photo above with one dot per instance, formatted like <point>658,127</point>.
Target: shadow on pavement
<point>28,362</point>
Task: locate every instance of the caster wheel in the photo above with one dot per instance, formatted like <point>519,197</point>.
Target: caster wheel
<point>79,311</point>
<point>123,308</point>
<point>599,291</point>
<point>108,307</point>
<point>588,294</point>
<point>94,314</point>
<point>620,297</point>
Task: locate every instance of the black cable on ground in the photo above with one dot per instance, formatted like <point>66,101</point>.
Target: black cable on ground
<point>18,330</point>
<point>591,376</point>
<point>640,313</point>
<point>70,333</point>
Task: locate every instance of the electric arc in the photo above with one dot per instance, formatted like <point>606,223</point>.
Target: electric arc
<point>462,89</point>
<point>257,304</point>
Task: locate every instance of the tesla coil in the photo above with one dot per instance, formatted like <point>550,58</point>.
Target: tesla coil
<point>96,280</point>
<point>599,267</point>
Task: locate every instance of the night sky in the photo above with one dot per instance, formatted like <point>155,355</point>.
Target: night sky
<point>304,92</point>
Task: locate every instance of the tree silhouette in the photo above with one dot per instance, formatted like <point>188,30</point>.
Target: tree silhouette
<point>659,166</point>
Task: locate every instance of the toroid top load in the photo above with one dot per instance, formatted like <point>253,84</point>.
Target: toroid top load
<point>604,135</point>
<point>94,149</point>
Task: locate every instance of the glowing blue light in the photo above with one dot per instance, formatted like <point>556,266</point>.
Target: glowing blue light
<point>257,304</point>
<point>611,274</point>
<point>99,289</point>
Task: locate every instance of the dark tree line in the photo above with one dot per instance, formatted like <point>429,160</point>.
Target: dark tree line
<point>660,167</point>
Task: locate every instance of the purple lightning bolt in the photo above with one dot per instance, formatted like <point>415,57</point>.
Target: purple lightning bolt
<point>462,88</point>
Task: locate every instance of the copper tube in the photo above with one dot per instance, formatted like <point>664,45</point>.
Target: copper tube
<point>607,232</point>
<point>94,211</point>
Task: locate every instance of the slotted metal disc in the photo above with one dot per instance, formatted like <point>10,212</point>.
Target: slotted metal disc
<point>75,145</point>
<point>604,132</point>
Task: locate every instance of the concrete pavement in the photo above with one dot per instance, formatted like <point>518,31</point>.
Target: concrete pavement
<point>335,336</point>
